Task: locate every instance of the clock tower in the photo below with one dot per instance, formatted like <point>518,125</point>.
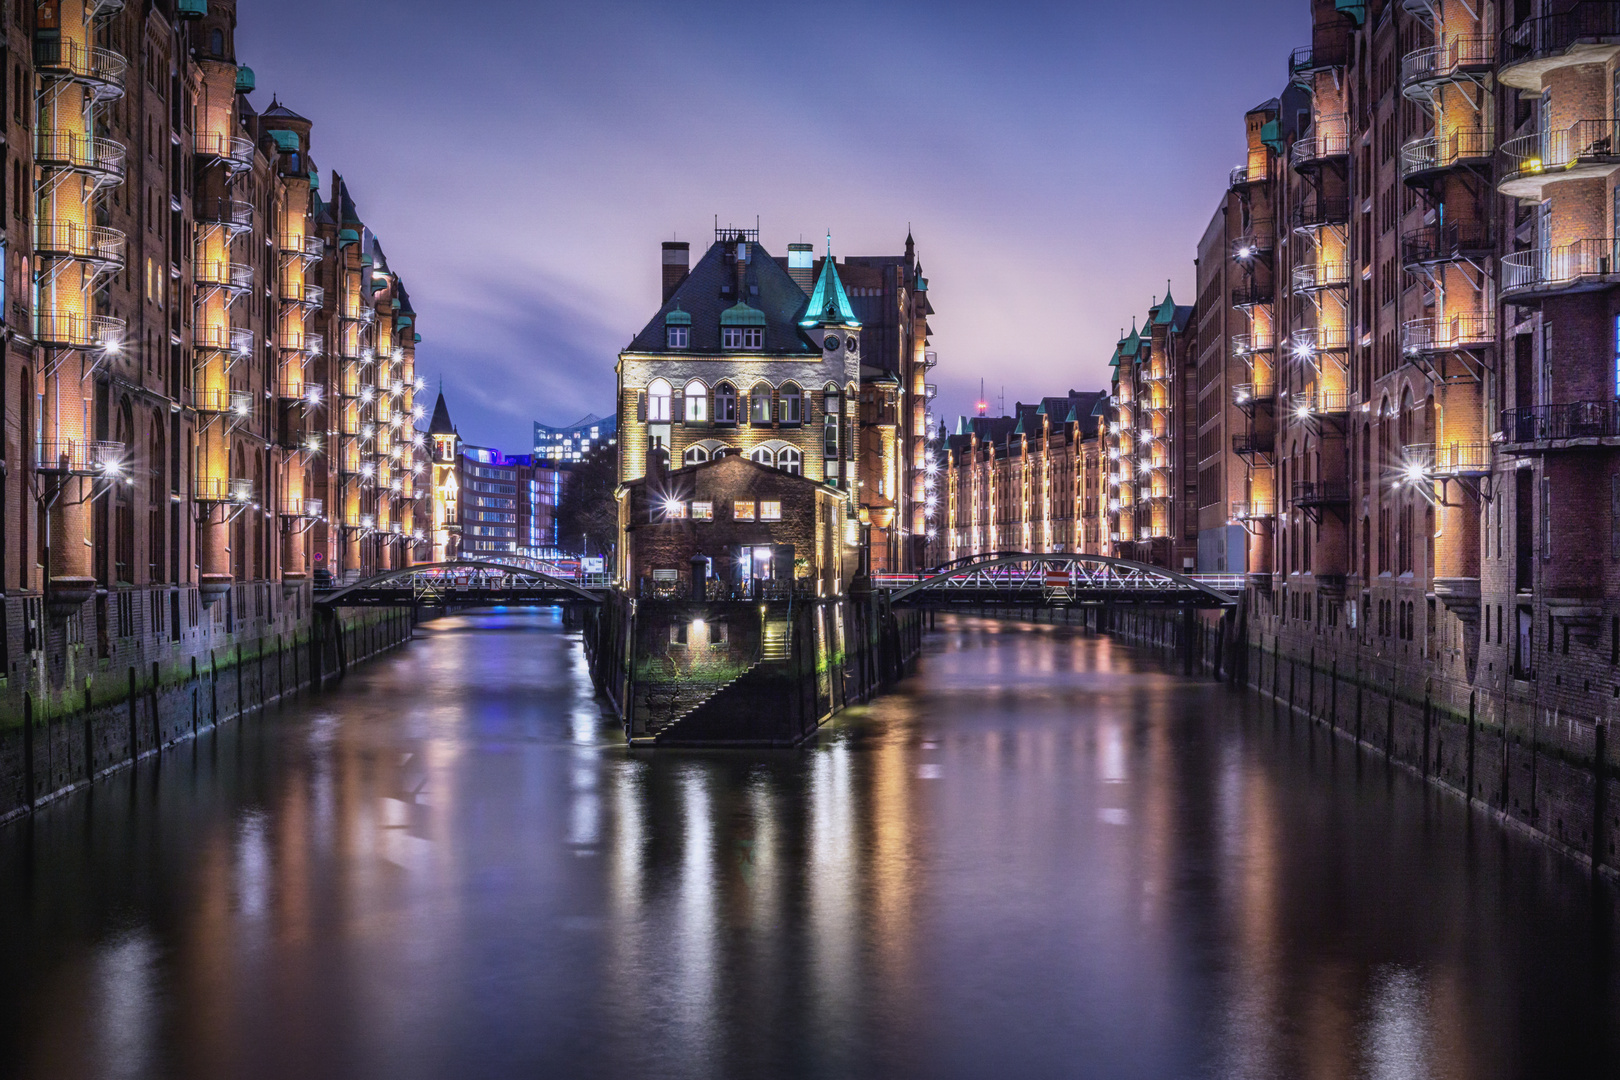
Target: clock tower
<point>829,321</point>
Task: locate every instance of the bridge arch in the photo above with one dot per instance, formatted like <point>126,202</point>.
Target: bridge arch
<point>427,580</point>
<point>1017,575</point>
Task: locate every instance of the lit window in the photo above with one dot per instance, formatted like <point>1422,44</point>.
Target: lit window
<point>695,455</point>
<point>658,402</point>
<point>759,404</point>
<point>703,511</point>
<point>770,510</point>
<point>743,510</point>
<point>697,402</point>
<point>788,461</point>
<point>791,404</point>
<point>725,404</point>
<point>764,455</point>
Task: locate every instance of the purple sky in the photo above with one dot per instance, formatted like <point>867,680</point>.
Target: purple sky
<point>521,161</point>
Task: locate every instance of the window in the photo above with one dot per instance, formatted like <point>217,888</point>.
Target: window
<point>770,510</point>
<point>658,402</point>
<point>674,510</point>
<point>676,336</point>
<point>791,407</point>
<point>725,404</point>
<point>753,337</point>
<point>731,337</point>
<point>788,461</point>
<point>703,511</point>
<point>697,402</point>
<point>743,510</point>
<point>759,404</point>
<point>764,455</point>
<point>695,455</point>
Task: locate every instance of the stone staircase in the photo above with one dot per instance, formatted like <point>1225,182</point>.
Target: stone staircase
<point>675,702</point>
<point>774,645</point>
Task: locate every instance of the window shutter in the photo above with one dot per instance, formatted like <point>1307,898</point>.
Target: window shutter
<point>641,406</point>
<point>677,408</point>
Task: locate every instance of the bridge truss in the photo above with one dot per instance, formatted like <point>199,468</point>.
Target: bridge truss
<point>1052,580</point>
<point>464,581</point>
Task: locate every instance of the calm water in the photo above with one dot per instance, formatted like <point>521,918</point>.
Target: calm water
<point>1046,856</point>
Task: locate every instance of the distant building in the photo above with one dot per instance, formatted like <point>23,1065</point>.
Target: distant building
<point>577,440</point>
<point>489,503</point>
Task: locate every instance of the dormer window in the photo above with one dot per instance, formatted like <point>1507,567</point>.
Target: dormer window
<point>742,327</point>
<point>677,329</point>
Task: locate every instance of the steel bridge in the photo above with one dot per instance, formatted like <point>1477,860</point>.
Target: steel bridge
<point>464,581</point>
<point>1023,579</point>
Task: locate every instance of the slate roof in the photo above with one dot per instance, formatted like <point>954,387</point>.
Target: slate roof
<point>766,286</point>
<point>280,111</point>
<point>441,424</point>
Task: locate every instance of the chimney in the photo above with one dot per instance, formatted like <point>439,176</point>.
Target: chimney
<point>742,270</point>
<point>677,264</point>
<point>802,266</point>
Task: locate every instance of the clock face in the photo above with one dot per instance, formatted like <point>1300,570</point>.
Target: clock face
<point>851,345</point>
<point>831,344</point>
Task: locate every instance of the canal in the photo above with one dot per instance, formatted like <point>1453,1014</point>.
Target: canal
<point>1046,855</point>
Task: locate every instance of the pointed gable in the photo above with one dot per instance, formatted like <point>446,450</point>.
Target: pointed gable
<point>829,303</point>
<point>441,425</point>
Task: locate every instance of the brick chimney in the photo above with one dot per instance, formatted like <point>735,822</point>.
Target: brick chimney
<point>677,264</point>
<point>802,265</point>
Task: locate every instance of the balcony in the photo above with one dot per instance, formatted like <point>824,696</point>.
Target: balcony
<point>1587,149</point>
<point>1319,56</point>
<point>217,274</point>
<point>1253,511</point>
<point>103,160</point>
<point>299,340</point>
<point>1427,337</point>
<point>1317,493</point>
<point>359,313</point>
<point>300,294</point>
<point>1584,266</point>
<point>1254,444</point>
<point>235,152</point>
<point>1457,58</point>
<point>1318,404</point>
<point>305,246</point>
<point>1425,160</point>
<point>297,389</point>
<point>1317,212</point>
<point>1252,294</point>
<point>297,506</point>
<point>1329,140</point>
<point>236,403</point>
<point>1254,244</point>
<point>223,339</point>
<point>1246,345</point>
<point>222,489</point>
<point>98,245</point>
<point>1317,276</point>
<point>1585,34</point>
<point>63,331</point>
<point>1550,427</point>
<point>1451,459</point>
<point>1454,241</point>
<point>79,457</point>
<point>1244,177</point>
<point>1250,396</point>
<point>99,71</point>
<point>234,214</point>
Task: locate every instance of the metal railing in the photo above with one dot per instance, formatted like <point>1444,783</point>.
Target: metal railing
<point>102,70</point>
<point>1551,34</point>
<point>223,338</point>
<point>1317,57</point>
<point>296,340</point>
<point>1575,420</point>
<point>1251,443</point>
<point>1249,344</point>
<point>1541,269</point>
<point>1253,294</point>
<point>1452,459</point>
<point>1242,176</point>
<point>235,150</point>
<point>78,457</point>
<point>300,293</point>
<point>306,245</point>
<point>1463,330</point>
<point>1252,243</point>
<point>236,213</point>
<point>1443,243</point>
<point>1585,142</point>
<point>218,274</point>
<point>299,390</point>
<point>1312,277</point>
<point>1329,138</point>
<point>237,403</point>
<point>90,243</point>
<point>1317,211</point>
<point>1247,395</point>
<point>83,153</point>
<point>1432,153</point>
<point>299,507</point>
<point>66,331</point>
<point>1308,341</point>
<point>1320,492</point>
<point>1324,403</point>
<point>219,489</point>
<point>1253,511</point>
<point>1446,60</point>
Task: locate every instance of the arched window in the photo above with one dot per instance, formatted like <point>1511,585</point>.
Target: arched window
<point>792,407</point>
<point>725,404</point>
<point>829,399</point>
<point>697,403</point>
<point>695,455</point>
<point>759,404</point>
<point>788,460</point>
<point>216,42</point>
<point>764,456</point>
<point>658,402</point>
<point>124,504</point>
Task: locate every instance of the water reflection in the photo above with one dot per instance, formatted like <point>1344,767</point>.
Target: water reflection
<point>1045,856</point>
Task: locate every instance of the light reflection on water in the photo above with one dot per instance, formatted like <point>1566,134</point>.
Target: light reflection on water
<point>1046,855</point>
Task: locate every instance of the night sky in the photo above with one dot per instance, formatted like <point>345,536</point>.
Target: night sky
<point>521,162</point>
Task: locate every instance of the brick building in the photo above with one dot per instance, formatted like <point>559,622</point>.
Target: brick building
<point>489,503</point>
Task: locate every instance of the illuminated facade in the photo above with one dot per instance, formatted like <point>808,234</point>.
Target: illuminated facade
<point>575,442</point>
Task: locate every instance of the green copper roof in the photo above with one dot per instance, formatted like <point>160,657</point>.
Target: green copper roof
<point>1133,344</point>
<point>286,141</point>
<point>418,337</point>
<point>829,303</point>
<point>245,80</point>
<point>191,9</point>
<point>1165,313</point>
<point>1355,9</point>
<point>1271,135</point>
<point>740,314</point>
<point>348,236</point>
<point>404,321</point>
<point>677,317</point>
